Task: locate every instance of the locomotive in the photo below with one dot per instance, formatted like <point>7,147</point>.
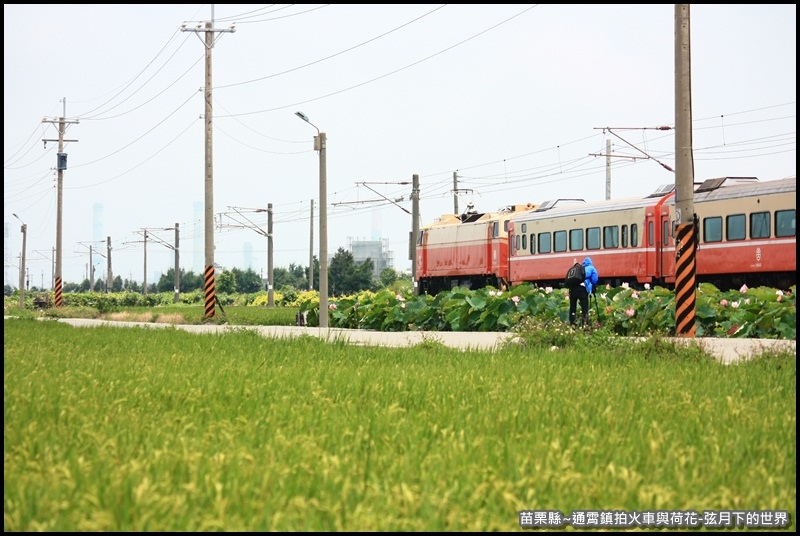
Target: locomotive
<point>745,230</point>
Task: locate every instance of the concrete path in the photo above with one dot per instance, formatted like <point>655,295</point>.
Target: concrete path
<point>726,350</point>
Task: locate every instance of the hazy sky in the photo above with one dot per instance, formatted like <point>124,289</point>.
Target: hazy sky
<point>514,99</point>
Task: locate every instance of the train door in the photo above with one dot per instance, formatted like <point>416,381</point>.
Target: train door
<point>667,256</point>
<point>658,242</point>
<point>494,247</point>
<point>511,251</point>
<point>422,254</point>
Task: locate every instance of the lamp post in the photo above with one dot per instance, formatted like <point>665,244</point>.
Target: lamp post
<point>24,230</point>
<point>320,142</point>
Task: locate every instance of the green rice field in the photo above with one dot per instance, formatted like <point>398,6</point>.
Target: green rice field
<point>135,429</point>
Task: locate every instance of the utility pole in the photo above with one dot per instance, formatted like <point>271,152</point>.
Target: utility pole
<point>455,192</point>
<point>321,145</point>
<point>311,251</point>
<point>24,230</point>
<point>608,169</point>
<point>210,268</point>
<point>144,286</point>
<point>685,218</point>
<point>412,250</point>
<point>91,271</point>
<point>110,278</point>
<point>177,297</point>
<point>270,274</point>
<point>61,165</point>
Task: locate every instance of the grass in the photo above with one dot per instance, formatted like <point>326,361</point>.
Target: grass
<point>110,429</point>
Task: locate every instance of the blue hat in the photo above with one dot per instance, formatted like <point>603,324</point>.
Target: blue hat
<point>587,261</point>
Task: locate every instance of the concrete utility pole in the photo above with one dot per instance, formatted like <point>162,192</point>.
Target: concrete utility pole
<point>685,218</point>
<point>414,232</point>
<point>177,297</point>
<point>608,169</point>
<point>144,285</point>
<point>91,271</point>
<point>311,251</point>
<point>455,192</point>
<point>61,165</point>
<point>209,284</point>
<point>24,230</point>
<point>270,273</point>
<point>321,145</point>
<point>109,276</point>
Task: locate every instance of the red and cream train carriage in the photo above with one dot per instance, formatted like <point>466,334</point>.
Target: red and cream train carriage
<point>746,231</point>
<point>746,235</point>
<point>467,250</point>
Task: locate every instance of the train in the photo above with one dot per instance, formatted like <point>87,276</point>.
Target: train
<point>745,229</point>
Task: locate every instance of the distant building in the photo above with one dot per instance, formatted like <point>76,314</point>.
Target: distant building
<point>376,250</point>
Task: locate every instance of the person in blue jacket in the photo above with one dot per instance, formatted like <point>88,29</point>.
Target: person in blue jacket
<point>581,293</point>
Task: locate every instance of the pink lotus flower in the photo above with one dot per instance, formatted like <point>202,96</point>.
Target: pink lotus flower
<point>635,295</point>
<point>723,303</point>
<point>743,290</point>
<point>630,312</point>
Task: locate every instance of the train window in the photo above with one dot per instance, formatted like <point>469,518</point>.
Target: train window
<point>665,234</point>
<point>516,242</point>
<point>505,226</point>
<point>524,227</point>
<point>624,236</point>
<point>495,229</point>
<point>593,238</point>
<point>524,242</point>
<point>759,225</point>
<point>545,243</point>
<point>559,241</point>
<point>533,243</point>
<point>735,227</point>
<point>419,238</point>
<point>785,223</point>
<point>634,235</point>
<point>610,237</point>
<point>576,239</point>
<point>650,233</point>
<point>712,229</point>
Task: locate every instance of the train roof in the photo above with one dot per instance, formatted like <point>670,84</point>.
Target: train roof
<point>711,189</point>
<point>471,216</point>
<point>733,187</point>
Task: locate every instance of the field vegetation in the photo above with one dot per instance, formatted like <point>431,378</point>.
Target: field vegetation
<point>109,429</point>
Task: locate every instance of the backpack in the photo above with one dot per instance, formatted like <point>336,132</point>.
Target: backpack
<point>575,275</point>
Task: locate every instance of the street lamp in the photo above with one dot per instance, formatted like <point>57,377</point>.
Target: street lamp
<point>320,142</point>
<point>24,230</point>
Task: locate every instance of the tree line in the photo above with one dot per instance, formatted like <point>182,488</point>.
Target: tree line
<point>345,276</point>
